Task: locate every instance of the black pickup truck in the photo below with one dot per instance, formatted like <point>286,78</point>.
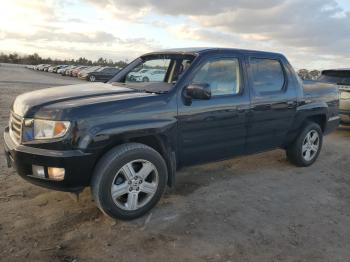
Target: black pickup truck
<point>126,139</point>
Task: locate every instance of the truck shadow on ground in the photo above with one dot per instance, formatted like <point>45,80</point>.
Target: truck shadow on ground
<point>190,179</point>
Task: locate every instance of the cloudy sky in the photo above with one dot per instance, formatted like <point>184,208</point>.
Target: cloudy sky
<point>312,33</point>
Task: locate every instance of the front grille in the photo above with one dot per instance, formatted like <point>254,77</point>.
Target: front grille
<point>16,127</point>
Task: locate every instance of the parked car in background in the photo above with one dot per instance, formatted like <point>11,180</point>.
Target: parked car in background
<point>68,72</point>
<point>137,73</point>
<point>88,70</point>
<point>38,66</point>
<point>42,67</point>
<point>77,70</point>
<point>101,74</point>
<point>341,77</point>
<point>126,140</point>
<point>58,67</point>
<point>64,70</point>
<point>51,68</point>
<point>61,69</point>
<point>149,75</point>
<point>46,68</point>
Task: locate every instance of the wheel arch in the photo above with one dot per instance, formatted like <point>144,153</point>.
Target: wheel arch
<point>320,119</point>
<point>317,113</point>
<point>157,142</point>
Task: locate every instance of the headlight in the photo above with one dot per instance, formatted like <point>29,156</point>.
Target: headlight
<point>36,129</point>
<point>47,129</point>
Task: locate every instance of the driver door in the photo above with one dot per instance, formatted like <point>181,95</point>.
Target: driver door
<point>214,129</point>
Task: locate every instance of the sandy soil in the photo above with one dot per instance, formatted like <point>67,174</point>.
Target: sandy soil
<point>256,208</point>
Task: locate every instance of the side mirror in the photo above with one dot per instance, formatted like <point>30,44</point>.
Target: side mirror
<point>197,91</point>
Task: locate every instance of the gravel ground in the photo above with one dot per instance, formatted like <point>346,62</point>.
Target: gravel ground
<point>255,208</point>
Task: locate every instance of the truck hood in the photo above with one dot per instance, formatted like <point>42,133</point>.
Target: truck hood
<point>28,103</point>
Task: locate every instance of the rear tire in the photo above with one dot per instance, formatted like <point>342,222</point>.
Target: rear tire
<point>129,180</point>
<point>307,146</point>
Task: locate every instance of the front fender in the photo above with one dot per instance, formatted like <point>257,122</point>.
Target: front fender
<point>160,135</point>
<point>113,132</point>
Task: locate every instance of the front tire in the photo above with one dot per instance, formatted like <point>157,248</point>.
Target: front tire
<point>129,180</point>
<point>307,146</point>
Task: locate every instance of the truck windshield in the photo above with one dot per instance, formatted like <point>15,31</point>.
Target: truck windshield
<point>340,77</point>
<point>156,69</point>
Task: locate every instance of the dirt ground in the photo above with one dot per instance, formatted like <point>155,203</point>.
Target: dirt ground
<point>255,208</point>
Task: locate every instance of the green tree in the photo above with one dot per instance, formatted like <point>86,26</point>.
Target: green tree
<point>35,59</point>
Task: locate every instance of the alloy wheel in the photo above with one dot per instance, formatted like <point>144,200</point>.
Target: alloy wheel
<point>311,145</point>
<point>134,184</point>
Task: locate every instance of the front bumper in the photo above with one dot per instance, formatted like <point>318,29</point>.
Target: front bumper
<point>78,165</point>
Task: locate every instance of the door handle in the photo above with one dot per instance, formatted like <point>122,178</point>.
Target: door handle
<point>291,104</point>
<point>262,107</point>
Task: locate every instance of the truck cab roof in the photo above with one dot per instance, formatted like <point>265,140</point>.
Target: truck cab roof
<point>207,50</point>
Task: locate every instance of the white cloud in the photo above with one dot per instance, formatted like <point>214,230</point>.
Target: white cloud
<point>184,7</point>
<point>42,26</point>
<point>314,28</point>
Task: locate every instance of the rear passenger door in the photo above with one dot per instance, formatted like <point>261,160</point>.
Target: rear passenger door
<point>273,103</point>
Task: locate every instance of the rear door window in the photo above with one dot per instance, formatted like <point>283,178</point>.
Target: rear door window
<point>267,75</point>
